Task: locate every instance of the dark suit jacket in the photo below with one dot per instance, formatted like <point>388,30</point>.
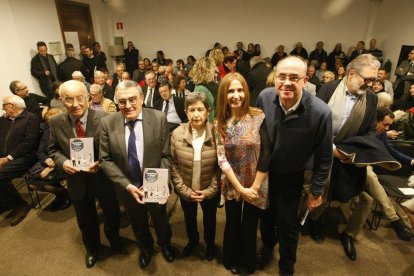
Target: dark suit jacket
<point>347,180</point>
<point>156,94</point>
<point>256,79</point>
<point>401,72</point>
<point>179,107</point>
<point>355,53</point>
<point>45,82</point>
<point>61,131</point>
<point>113,149</point>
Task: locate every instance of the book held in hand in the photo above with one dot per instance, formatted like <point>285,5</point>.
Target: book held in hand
<point>81,152</point>
<point>155,185</point>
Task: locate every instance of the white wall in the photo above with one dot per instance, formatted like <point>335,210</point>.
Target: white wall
<point>188,27</point>
<point>185,27</point>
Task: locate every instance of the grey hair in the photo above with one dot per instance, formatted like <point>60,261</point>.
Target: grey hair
<point>96,87</point>
<point>70,84</point>
<point>384,99</point>
<point>363,61</point>
<point>123,85</point>
<point>77,74</point>
<point>15,100</point>
<point>98,74</point>
<point>194,97</point>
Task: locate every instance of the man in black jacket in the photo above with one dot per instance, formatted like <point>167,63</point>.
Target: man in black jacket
<point>173,107</point>
<point>19,133</point>
<point>44,69</point>
<point>256,78</point>
<point>34,103</point>
<point>70,64</point>
<point>131,58</point>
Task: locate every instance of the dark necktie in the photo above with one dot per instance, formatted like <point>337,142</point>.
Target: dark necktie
<point>148,103</point>
<point>166,108</point>
<point>133,161</point>
<point>80,131</point>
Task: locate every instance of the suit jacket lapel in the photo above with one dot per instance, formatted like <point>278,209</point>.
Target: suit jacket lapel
<point>67,127</point>
<point>91,123</point>
<point>146,129</point>
<point>120,136</point>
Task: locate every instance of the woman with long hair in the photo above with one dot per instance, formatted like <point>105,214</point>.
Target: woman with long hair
<point>243,153</point>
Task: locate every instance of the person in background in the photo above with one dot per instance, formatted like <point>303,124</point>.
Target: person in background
<point>131,55</point>
<point>56,102</point>
<point>194,143</point>
<point>33,103</point>
<point>78,76</point>
<point>179,85</point>
<point>98,101</point>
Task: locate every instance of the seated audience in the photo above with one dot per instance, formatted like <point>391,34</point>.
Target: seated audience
<point>312,77</point>
<point>179,85</point>
<point>139,74</point>
<point>278,55</point>
<point>19,134</point>
<point>384,100</point>
<point>322,69</point>
<point>299,51</point>
<point>383,76</point>
<point>98,101</point>
<point>228,66</point>
<point>148,65</point>
<point>327,77</point>
<point>107,90</point>
<point>405,102</point>
<point>78,76</point>
<point>340,73</point>
<point>150,90</point>
<point>125,76</point>
<point>160,59</point>
<point>56,102</point>
<point>193,143</point>
<point>336,54</point>
<point>173,107</point>
<point>117,77</point>
<point>44,175</point>
<point>33,103</point>
<point>360,49</point>
<point>373,50</point>
<point>377,86</point>
<point>190,63</point>
<point>319,54</point>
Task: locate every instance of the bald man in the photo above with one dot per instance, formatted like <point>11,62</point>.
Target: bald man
<point>84,186</point>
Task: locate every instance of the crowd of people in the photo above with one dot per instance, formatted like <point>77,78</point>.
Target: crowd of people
<point>229,127</point>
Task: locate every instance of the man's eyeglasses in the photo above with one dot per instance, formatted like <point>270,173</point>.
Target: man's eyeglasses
<point>291,78</point>
<point>71,100</point>
<point>368,80</point>
<point>123,102</point>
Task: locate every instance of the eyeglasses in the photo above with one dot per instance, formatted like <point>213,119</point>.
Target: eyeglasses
<point>71,100</point>
<point>368,80</point>
<point>123,102</point>
<point>292,78</point>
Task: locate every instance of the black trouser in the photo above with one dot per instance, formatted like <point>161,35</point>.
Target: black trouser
<point>9,196</point>
<point>284,195</point>
<point>138,216</point>
<point>240,233</point>
<point>209,207</point>
<point>88,223</point>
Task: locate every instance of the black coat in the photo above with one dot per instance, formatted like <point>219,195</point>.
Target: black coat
<point>131,60</point>
<point>179,107</point>
<point>68,66</point>
<point>155,96</point>
<point>45,82</point>
<point>256,79</point>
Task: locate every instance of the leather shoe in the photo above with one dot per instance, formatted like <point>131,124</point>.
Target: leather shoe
<point>144,259</point>
<point>90,259</point>
<point>263,257</point>
<point>189,248</point>
<point>210,252</point>
<point>315,230</point>
<point>19,214</point>
<point>348,245</point>
<point>168,254</point>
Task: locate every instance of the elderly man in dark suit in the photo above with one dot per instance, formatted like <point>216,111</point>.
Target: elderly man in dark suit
<point>19,132</point>
<point>405,76</point>
<point>150,90</point>
<point>131,140</point>
<point>173,107</point>
<point>84,185</point>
